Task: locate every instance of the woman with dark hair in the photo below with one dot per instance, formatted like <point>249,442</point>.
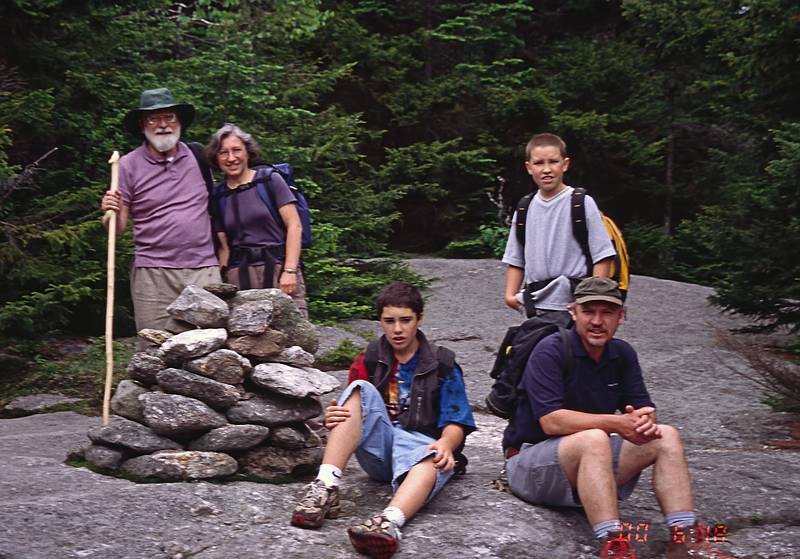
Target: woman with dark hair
<point>257,249</point>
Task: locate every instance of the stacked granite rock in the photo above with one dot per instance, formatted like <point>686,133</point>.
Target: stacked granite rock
<point>230,392</point>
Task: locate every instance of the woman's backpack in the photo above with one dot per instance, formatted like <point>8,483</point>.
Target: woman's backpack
<point>263,184</point>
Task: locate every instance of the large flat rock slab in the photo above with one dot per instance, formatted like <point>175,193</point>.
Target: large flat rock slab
<point>52,511</point>
<point>38,403</point>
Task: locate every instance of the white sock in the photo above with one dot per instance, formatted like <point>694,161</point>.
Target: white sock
<point>330,475</point>
<point>601,529</point>
<point>682,518</point>
<point>395,516</point>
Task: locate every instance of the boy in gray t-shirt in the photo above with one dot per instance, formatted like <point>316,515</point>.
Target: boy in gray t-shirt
<point>551,255</point>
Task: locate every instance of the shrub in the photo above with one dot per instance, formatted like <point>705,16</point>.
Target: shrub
<point>341,356</point>
<point>776,372</point>
<point>490,242</point>
<point>651,250</point>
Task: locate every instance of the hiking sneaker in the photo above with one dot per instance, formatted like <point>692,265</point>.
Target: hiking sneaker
<point>698,541</point>
<point>376,537</point>
<point>318,503</point>
<point>616,546</point>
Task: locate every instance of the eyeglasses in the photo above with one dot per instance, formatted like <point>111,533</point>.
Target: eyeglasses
<point>236,152</point>
<point>168,118</point>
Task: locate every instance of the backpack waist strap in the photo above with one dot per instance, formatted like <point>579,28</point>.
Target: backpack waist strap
<point>244,256</point>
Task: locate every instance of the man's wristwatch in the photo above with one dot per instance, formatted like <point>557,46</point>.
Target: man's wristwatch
<point>290,270</point>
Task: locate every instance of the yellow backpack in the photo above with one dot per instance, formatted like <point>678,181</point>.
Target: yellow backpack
<point>620,271</point>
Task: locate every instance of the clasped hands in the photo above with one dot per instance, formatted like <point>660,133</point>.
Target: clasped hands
<point>639,425</point>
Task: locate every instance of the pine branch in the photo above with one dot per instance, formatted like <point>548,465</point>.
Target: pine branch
<point>24,180</point>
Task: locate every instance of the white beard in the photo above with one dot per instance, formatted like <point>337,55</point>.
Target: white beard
<point>163,143</point>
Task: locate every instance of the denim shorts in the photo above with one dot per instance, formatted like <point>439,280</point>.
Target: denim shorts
<point>387,452</point>
<point>535,474</point>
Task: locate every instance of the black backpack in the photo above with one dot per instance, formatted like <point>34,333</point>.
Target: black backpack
<point>208,178</point>
<point>512,357</point>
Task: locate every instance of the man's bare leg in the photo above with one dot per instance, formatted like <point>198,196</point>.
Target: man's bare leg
<point>586,460</point>
<point>671,481</point>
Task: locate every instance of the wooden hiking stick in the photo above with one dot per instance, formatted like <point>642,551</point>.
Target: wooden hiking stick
<point>112,248</point>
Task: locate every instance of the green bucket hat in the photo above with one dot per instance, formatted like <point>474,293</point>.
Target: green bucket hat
<point>154,99</point>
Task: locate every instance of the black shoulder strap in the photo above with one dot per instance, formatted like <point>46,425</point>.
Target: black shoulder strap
<point>269,201</point>
<point>208,177</point>
<point>371,359</point>
<point>579,229</point>
<point>568,364</point>
<point>522,216</point>
<point>205,170</point>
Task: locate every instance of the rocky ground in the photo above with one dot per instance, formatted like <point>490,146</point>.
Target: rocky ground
<point>50,510</point>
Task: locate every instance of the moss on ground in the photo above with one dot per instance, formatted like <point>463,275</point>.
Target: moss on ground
<point>78,373</point>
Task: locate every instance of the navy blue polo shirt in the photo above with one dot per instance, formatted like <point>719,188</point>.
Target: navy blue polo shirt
<point>603,387</point>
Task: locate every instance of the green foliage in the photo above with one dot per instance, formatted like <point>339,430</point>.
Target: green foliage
<point>399,121</point>
<point>347,289</point>
<point>341,356</point>
<point>344,288</point>
<point>491,241</point>
<point>650,249</point>
<point>79,375</point>
<point>764,280</point>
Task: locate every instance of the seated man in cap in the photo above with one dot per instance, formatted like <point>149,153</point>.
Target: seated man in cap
<point>567,445</point>
<point>161,187</point>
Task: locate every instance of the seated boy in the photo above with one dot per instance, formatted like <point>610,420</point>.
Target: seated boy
<point>404,414</point>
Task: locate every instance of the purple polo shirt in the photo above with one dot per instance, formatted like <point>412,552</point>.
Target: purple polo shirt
<point>168,203</point>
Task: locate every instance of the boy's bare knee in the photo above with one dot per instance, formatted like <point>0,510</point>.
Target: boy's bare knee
<point>427,466</point>
<point>354,399</point>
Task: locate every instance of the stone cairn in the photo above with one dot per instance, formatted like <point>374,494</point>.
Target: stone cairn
<point>229,393</point>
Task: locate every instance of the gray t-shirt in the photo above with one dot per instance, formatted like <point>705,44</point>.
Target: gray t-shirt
<point>551,250</point>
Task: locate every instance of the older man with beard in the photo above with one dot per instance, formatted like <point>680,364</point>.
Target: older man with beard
<point>161,187</point>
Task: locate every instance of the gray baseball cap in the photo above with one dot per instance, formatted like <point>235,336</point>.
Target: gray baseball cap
<point>598,289</point>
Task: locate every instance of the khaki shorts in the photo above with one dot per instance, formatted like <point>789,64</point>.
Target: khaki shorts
<point>153,289</point>
<point>256,273</point>
<point>535,474</point>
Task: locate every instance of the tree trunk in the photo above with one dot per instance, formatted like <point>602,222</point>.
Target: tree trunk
<point>670,187</point>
